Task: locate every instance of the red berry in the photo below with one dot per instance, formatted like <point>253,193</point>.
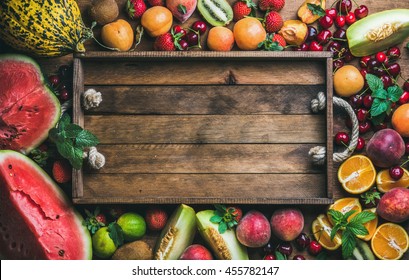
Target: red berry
<point>199,26</point>
<point>54,80</point>
<point>101,218</point>
<point>381,57</point>
<point>285,248</point>
<point>361,12</point>
<point>156,2</point>
<point>331,13</point>
<point>363,62</point>
<point>387,81</point>
<point>394,69</point>
<point>364,71</point>
<point>362,114</point>
<point>183,45</point>
<point>299,257</point>
<point>314,248</point>
<point>360,145</point>
<point>356,101</point>
<point>348,57</point>
<point>179,29</point>
<point>268,248</point>
<point>312,33</point>
<point>62,171</point>
<point>379,71</point>
<point>326,22</point>
<point>396,172</point>
<point>315,46</point>
<point>273,5</point>
<point>344,6</point>
<point>393,52</point>
<point>340,21</point>
<point>240,10</point>
<point>135,8</point>
<point>156,218</point>
<point>340,33</point>
<point>341,138</point>
<point>404,98</point>
<point>164,42</point>
<point>273,22</point>
<point>367,101</point>
<point>324,36</point>
<point>405,86</point>
<point>350,18</point>
<point>269,257</point>
<point>192,39</point>
<point>302,241</point>
<point>236,212</point>
<point>364,127</point>
<point>338,63</point>
<point>372,64</point>
<point>64,95</point>
<point>302,47</point>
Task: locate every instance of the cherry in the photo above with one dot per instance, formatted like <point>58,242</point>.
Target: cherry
<point>350,18</point>
<point>192,39</point>
<point>405,86</point>
<point>338,63</point>
<point>363,62</point>
<point>394,69</point>
<point>64,95</point>
<point>334,47</point>
<point>326,21</point>
<point>314,248</point>
<point>347,55</point>
<point>393,52</point>
<point>404,98</point>
<point>381,57</point>
<point>396,172</point>
<point>298,257</point>
<point>362,114</point>
<point>379,71</point>
<point>380,126</point>
<point>356,101</point>
<point>285,248</point>
<point>184,45</point>
<point>268,248</point>
<point>315,46</point>
<point>324,36</point>
<point>360,145</point>
<point>372,64</point>
<point>364,71</point>
<point>407,148</point>
<point>341,138</point>
<point>54,80</point>
<point>302,47</point>
<point>344,6</point>
<point>387,81</point>
<point>340,33</point>
<point>361,11</point>
<point>302,241</point>
<point>364,127</point>
<point>340,21</point>
<point>312,33</point>
<point>270,257</point>
<point>367,101</point>
<point>199,26</point>
<point>178,29</point>
<point>331,13</point>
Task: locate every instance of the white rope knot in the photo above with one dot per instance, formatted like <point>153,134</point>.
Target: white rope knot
<point>96,160</point>
<point>318,155</point>
<point>319,103</point>
<point>91,99</point>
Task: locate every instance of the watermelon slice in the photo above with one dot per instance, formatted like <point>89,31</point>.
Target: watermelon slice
<point>36,219</point>
<point>28,108</point>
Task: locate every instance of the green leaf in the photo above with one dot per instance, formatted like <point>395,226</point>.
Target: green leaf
<point>349,214</point>
<point>357,228</point>
<point>182,9</point>
<point>363,217</point>
<point>86,139</point>
<point>378,119</point>
<point>116,234</point>
<point>72,130</point>
<point>77,160</point>
<point>394,93</point>
<point>334,231</point>
<point>336,216</point>
<point>66,149</point>
<point>220,208</point>
<point>316,9</point>
<point>374,82</point>
<point>380,93</point>
<point>322,256</point>
<point>63,122</point>
<point>280,256</point>
<point>216,219</point>
<point>379,106</point>
<point>348,243</point>
<point>222,227</point>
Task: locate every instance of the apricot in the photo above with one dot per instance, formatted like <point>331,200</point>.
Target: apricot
<point>394,205</point>
<point>118,34</point>
<point>220,38</point>
<point>287,223</point>
<point>196,252</point>
<point>249,33</point>
<point>253,230</point>
<point>157,21</point>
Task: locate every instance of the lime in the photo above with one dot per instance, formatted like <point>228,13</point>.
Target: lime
<point>102,244</point>
<point>133,226</point>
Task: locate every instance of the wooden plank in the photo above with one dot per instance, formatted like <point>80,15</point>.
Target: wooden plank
<point>208,158</point>
<point>246,187</point>
<point>207,129</point>
<point>208,72</point>
<point>240,99</point>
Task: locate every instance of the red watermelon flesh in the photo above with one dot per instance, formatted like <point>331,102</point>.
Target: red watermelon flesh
<point>36,219</point>
<point>28,108</point>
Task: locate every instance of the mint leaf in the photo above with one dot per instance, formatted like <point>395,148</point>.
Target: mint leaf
<point>380,93</point>
<point>116,234</point>
<point>77,159</point>
<point>348,243</point>
<point>374,82</point>
<point>357,228</point>
<point>66,149</point>
<point>182,9</point>
<point>363,217</point>
<point>64,121</point>
<point>216,219</point>
<point>55,136</point>
<point>86,139</point>
<point>280,256</point>
<point>316,9</point>
<point>379,106</point>
<point>334,230</point>
<point>222,227</point>
<point>336,215</point>
<point>72,130</point>
<point>349,214</point>
<point>394,93</point>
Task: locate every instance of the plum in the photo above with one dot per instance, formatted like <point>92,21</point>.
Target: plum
<point>253,230</point>
<point>196,252</point>
<point>385,148</point>
<point>287,223</point>
<point>394,205</point>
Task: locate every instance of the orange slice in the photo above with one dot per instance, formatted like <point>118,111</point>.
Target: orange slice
<point>370,226</point>
<point>384,182</point>
<point>345,205</point>
<point>321,228</point>
<point>390,241</point>
<point>357,174</point>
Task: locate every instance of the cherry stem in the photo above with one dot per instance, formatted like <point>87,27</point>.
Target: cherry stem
<point>355,3</point>
<point>386,69</point>
<point>363,92</point>
<point>338,39</point>
<point>405,162</point>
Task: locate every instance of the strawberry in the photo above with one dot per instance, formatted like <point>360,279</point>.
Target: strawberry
<point>94,221</point>
<point>279,39</point>
<point>273,5</point>
<point>156,2</point>
<point>62,171</point>
<point>236,212</point>
<point>273,42</point>
<point>135,8</point>
<point>164,42</point>
<point>156,218</point>
<point>273,22</point>
<point>243,8</point>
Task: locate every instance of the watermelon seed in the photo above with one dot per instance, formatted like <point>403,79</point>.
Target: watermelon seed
<point>57,217</point>
<point>20,108</point>
<point>61,253</point>
<point>10,166</point>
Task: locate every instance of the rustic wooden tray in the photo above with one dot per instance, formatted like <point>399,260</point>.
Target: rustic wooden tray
<point>205,127</point>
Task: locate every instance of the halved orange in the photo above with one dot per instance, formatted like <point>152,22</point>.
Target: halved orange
<point>370,226</point>
<point>321,228</point>
<point>357,174</point>
<point>345,205</point>
<point>390,241</point>
<point>384,182</point>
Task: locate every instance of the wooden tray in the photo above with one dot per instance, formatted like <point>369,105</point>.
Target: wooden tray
<point>205,127</point>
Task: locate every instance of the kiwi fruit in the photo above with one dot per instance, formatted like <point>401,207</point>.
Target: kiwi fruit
<point>177,235</point>
<point>104,11</point>
<point>137,250</point>
<point>224,246</point>
<point>215,12</point>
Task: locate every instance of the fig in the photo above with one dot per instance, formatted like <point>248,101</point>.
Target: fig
<point>253,230</point>
<point>394,205</point>
<point>295,32</point>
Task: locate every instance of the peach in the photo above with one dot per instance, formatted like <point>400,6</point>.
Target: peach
<point>253,229</point>
<point>196,252</point>
<point>287,223</point>
<point>394,205</point>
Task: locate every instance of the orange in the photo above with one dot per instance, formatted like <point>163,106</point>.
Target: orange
<point>157,20</point>
<point>345,205</point>
<point>385,183</point>
<point>390,241</point>
<point>248,33</point>
<point>357,174</point>
<point>370,226</point>
<point>321,228</point>
<point>400,120</point>
<point>118,34</point>
<point>348,81</point>
<point>220,38</point>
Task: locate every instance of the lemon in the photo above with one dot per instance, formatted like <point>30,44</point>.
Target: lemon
<point>133,226</point>
<point>348,81</point>
<point>102,244</point>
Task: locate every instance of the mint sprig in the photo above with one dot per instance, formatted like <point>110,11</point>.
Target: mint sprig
<point>269,45</point>
<point>350,230</point>
<point>116,234</point>
<point>316,9</point>
<point>226,218</point>
<point>91,221</point>
<point>71,140</point>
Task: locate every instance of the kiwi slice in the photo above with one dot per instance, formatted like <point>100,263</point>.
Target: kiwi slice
<point>177,235</point>
<point>225,246</point>
<point>215,12</point>
<point>378,31</point>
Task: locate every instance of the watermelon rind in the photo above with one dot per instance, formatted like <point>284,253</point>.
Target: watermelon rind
<point>52,97</point>
<point>58,197</point>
